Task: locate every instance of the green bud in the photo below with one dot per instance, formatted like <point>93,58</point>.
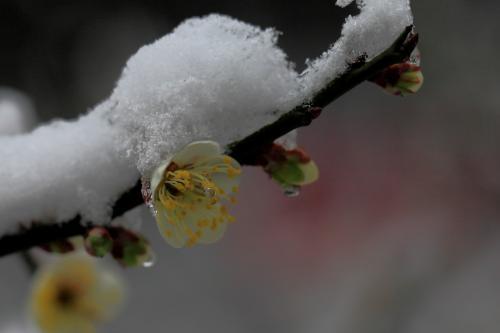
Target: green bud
<point>287,173</point>
<point>400,79</point>
<point>98,242</point>
<point>291,167</point>
<point>131,249</point>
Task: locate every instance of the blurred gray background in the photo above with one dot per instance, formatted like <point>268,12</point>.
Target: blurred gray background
<point>401,233</point>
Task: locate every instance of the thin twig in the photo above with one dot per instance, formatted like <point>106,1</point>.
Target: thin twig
<point>245,151</point>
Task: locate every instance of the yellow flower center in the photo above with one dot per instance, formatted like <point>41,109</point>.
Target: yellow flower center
<point>189,186</point>
<point>183,188</point>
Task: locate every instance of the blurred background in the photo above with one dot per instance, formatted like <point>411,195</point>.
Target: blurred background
<point>401,233</point>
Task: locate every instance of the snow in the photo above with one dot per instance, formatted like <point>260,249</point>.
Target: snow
<point>62,169</point>
<point>343,3</point>
<point>369,33</point>
<point>212,78</point>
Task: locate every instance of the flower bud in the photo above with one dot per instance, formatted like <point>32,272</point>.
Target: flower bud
<point>131,249</point>
<point>291,167</point>
<point>400,79</point>
<point>98,242</point>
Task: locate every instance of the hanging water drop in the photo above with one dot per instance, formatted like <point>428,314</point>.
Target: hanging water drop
<point>153,210</point>
<point>209,192</point>
<point>415,57</point>
<point>291,191</point>
<point>149,260</point>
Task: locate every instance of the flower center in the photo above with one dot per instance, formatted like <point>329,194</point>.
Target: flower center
<point>186,186</point>
<point>171,189</point>
<point>65,296</point>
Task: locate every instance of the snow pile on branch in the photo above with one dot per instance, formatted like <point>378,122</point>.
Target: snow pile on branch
<point>60,170</point>
<point>368,33</point>
<point>212,78</point>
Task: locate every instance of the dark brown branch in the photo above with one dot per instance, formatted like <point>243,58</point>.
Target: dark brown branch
<point>130,199</point>
<point>39,234</point>
<point>245,151</point>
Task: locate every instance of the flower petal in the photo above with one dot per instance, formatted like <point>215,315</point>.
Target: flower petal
<point>158,176</point>
<point>228,185</point>
<point>223,170</point>
<point>196,151</point>
<point>70,323</point>
<point>104,298</point>
<point>310,171</point>
<point>169,230</point>
<point>207,224</point>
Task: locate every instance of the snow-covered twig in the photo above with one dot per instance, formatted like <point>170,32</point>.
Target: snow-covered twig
<point>246,151</point>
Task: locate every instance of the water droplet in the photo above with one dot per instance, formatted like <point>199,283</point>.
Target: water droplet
<point>291,191</point>
<point>153,210</point>
<point>415,57</point>
<point>209,192</point>
<point>149,260</point>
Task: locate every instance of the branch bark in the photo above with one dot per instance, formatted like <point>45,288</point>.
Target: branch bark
<point>245,151</point>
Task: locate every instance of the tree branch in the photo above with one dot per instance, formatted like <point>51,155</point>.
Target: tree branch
<point>245,151</point>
